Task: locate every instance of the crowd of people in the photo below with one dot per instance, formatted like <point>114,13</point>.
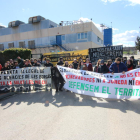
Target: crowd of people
<point>120,65</point>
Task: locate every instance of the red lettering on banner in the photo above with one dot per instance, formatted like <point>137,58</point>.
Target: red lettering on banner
<point>9,83</point>
<point>137,74</point>
<point>122,82</point>
<point>2,83</point>
<point>44,82</point>
<point>123,76</point>
<point>130,75</point>
<point>137,83</point>
<point>103,80</point>
<point>31,82</point>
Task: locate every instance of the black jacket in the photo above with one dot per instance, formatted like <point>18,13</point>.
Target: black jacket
<point>27,65</point>
<point>5,68</point>
<point>48,65</point>
<point>36,65</point>
<point>60,63</point>
<point>75,65</point>
<point>103,69</point>
<point>21,63</point>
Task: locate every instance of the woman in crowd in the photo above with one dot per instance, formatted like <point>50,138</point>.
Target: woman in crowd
<point>87,66</point>
<point>71,66</point>
<point>102,67</point>
<point>66,64</point>
<point>97,65</point>
<point>130,65</point>
<point>80,65</point>
<point>109,62</point>
<point>118,67</point>
<point>6,67</point>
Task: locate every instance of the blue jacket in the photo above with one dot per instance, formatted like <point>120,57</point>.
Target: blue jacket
<point>117,68</point>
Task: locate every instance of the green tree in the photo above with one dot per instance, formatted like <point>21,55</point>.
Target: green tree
<point>137,43</point>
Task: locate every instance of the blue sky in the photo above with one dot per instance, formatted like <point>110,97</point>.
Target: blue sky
<point>124,14</point>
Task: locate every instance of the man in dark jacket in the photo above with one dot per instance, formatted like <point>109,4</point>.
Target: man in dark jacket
<point>35,63</point>
<point>16,66</point>
<point>57,79</point>
<point>27,63</point>
<point>21,63</point>
<point>60,62</point>
<point>118,67</point>
<point>48,64</point>
<point>102,67</point>
<point>134,61</point>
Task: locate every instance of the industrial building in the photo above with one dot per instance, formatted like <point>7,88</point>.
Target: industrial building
<point>43,35</point>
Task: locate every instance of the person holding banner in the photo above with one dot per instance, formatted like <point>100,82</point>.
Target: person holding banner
<point>102,67</point>
<point>6,67</point>
<point>16,65</point>
<point>118,67</point>
<point>27,63</point>
<point>80,65</point>
<point>130,65</point>
<point>35,63</point>
<point>97,66</point>
<point>60,63</point>
<point>66,64</point>
<point>48,64</point>
<point>87,66</point>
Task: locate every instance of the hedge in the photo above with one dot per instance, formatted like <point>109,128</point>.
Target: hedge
<point>13,53</point>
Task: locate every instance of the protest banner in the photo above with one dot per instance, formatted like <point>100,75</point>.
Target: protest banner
<point>105,53</point>
<point>117,86</point>
<point>25,79</point>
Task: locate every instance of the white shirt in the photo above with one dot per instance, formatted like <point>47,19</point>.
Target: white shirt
<point>87,64</point>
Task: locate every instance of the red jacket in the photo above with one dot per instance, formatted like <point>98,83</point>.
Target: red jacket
<point>0,67</point>
<point>89,68</point>
<point>131,68</point>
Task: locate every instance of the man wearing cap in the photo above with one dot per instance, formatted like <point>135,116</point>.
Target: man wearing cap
<point>48,64</point>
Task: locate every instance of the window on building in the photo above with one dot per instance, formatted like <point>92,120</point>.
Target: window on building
<point>11,45</point>
<point>1,47</point>
<point>98,39</point>
<point>22,44</point>
<point>63,37</point>
<point>85,35</point>
<point>82,35</point>
<point>31,44</point>
<point>79,36</point>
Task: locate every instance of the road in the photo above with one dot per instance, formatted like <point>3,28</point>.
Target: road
<point>68,116</point>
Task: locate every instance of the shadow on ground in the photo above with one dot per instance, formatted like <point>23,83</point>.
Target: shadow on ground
<point>64,98</point>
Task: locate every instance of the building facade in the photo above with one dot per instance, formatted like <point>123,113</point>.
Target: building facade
<point>43,35</point>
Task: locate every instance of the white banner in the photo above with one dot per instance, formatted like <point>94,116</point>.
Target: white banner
<point>117,86</point>
<point>25,78</point>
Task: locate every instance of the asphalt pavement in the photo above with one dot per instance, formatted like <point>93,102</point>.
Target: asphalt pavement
<point>68,116</point>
